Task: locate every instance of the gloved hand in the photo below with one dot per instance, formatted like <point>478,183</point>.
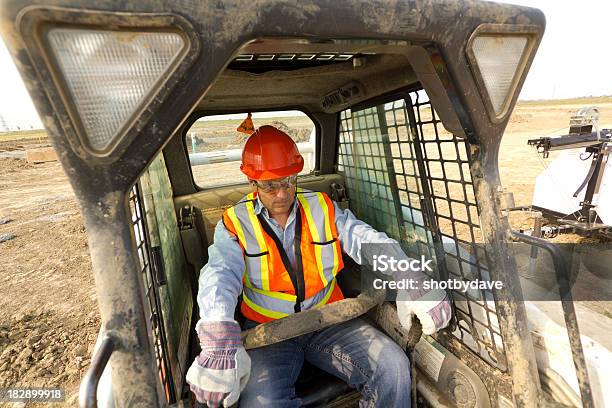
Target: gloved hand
<point>221,371</point>
<point>433,310</point>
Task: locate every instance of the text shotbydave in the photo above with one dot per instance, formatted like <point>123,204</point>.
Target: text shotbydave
<point>430,284</point>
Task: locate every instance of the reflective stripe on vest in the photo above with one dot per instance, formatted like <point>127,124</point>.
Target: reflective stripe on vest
<point>325,254</point>
<point>252,240</point>
<point>276,305</point>
<point>268,289</point>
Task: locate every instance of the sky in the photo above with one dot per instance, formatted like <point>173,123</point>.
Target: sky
<point>574,60</point>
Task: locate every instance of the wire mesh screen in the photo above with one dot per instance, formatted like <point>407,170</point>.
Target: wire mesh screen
<point>153,301</point>
<point>406,175</point>
<point>363,160</point>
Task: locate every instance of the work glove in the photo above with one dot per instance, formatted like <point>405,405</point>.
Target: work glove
<point>221,371</point>
<point>433,309</point>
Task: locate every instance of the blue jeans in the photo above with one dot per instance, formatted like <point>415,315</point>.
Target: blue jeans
<point>354,351</point>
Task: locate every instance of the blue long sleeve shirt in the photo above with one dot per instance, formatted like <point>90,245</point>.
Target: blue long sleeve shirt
<point>220,281</point>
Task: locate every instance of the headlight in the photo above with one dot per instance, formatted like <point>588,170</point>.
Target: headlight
<point>111,74</point>
<point>499,55</point>
<point>498,59</point>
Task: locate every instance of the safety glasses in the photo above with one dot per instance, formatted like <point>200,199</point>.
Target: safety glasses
<point>273,186</point>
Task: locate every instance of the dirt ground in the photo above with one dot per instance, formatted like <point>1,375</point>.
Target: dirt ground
<point>48,311</point>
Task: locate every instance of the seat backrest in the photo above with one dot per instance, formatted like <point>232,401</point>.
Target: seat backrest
<point>210,218</point>
<point>210,204</point>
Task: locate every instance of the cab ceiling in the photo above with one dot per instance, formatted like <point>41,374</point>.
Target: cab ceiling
<point>240,90</point>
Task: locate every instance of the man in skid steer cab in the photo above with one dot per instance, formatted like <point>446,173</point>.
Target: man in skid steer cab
<point>281,247</point>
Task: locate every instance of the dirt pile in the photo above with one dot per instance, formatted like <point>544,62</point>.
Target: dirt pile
<point>223,138</point>
<point>298,135</point>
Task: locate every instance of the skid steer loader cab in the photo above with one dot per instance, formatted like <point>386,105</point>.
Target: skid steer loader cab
<point>398,108</point>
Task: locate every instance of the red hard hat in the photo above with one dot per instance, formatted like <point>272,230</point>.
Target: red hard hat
<point>270,154</point>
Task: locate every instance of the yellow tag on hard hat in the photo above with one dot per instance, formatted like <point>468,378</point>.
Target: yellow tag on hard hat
<point>247,125</point>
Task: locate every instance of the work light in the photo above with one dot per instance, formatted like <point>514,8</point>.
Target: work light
<point>111,74</point>
<point>498,57</point>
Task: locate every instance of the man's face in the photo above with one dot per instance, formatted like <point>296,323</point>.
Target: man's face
<point>276,195</point>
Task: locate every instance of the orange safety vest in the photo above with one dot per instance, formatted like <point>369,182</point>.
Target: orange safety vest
<point>272,289</point>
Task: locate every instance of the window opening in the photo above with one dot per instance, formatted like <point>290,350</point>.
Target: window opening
<point>215,146</point>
